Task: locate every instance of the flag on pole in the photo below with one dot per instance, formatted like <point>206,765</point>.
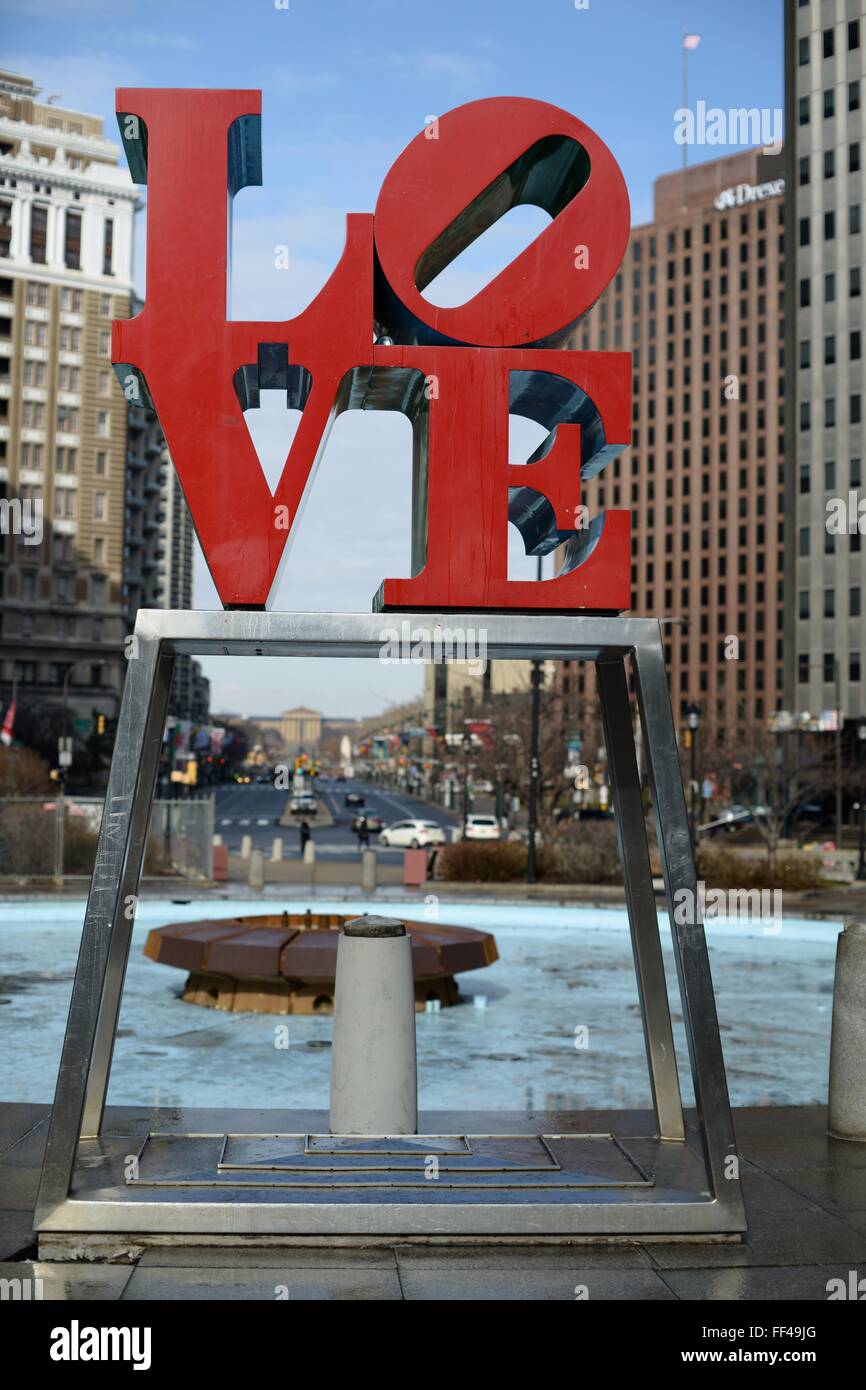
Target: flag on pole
<point>691,40</point>
<point>8,725</point>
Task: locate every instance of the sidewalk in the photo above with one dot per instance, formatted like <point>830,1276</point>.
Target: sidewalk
<point>805,1200</point>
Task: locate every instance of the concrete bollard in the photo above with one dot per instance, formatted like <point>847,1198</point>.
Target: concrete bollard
<point>374,1081</point>
<point>368,869</point>
<point>246,846</point>
<point>257,869</point>
<point>309,852</point>
<point>846,1114</point>
<point>217,840</point>
<point>277,850</point>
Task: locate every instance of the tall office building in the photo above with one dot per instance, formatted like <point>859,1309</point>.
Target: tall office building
<point>825,566</point>
<point>698,301</point>
<point>66,215</point>
<point>159,542</point>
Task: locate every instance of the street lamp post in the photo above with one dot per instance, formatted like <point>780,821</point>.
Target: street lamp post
<point>693,715</point>
<point>861,860</point>
<point>467,748</point>
<point>534,775</point>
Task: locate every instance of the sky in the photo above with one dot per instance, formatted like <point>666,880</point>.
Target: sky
<point>346,85</point>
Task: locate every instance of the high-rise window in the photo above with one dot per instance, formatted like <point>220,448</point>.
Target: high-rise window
<point>828,43</point>
<point>5,227</point>
<point>38,232</point>
<point>107,247</point>
<point>72,240</point>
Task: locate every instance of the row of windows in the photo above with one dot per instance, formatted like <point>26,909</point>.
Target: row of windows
<point>67,418</point>
<point>829,604</point>
<point>828,41</point>
<point>759,216</point>
<point>68,339</point>
<point>829,107</point>
<point>829,161</point>
<point>854,474</point>
<point>855,348</point>
<point>71,301</point>
<point>65,501</point>
<point>855,284</point>
<point>65,459</point>
<point>830,542</point>
<point>854,225</point>
<point>855,414</point>
<point>26,671</point>
<point>828,667</point>
<point>71,236</point>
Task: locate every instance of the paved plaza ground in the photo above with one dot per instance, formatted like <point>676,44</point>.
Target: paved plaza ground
<point>805,1198</point>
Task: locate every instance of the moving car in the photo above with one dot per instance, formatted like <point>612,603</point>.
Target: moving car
<point>305,805</point>
<point>412,834</point>
<point>482,828</point>
<point>353,799</point>
<point>374,823</point>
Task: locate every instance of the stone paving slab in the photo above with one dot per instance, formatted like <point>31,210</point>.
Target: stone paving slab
<point>568,1283</point>
<point>480,1261</point>
<point>16,1233</point>
<point>805,1198</point>
<point>255,1283</point>
<point>805,1283</point>
<point>61,1282</point>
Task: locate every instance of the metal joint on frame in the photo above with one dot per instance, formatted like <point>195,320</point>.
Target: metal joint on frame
<point>611,643</point>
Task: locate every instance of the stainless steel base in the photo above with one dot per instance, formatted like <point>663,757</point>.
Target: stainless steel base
<point>517,1178</point>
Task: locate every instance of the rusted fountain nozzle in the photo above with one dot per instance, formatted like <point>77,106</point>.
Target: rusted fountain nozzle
<point>374,1082</point>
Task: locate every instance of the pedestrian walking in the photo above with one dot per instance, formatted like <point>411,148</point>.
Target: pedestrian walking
<point>304,831</point>
<point>363,834</point>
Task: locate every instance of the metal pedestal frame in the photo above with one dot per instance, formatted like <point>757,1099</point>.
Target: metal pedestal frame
<point>673,1205</point>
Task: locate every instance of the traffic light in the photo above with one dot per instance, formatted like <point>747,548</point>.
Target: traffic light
<point>687,738</point>
<point>100,724</point>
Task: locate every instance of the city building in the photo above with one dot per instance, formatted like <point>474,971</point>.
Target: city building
<point>698,301</point>
<point>159,544</point>
<point>293,730</point>
<point>825,555</point>
<point>458,690</point>
<point>66,217</point>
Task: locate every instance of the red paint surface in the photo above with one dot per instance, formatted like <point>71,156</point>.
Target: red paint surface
<point>188,352</point>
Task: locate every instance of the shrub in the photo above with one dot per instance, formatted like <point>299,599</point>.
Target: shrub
<point>476,861</point>
<point>23,772</point>
<point>27,844</point>
<point>721,868</point>
<point>582,852</point>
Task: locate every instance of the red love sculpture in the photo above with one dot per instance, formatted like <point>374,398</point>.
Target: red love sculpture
<point>457,373</point>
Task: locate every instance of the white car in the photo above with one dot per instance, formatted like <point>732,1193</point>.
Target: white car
<point>482,828</point>
<point>412,834</point>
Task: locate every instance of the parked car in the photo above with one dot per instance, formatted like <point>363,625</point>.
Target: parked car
<point>412,834</point>
<point>482,828</point>
<point>305,805</point>
<point>374,823</point>
<point>353,799</point>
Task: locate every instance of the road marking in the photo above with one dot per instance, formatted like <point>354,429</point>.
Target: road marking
<point>227,821</point>
<point>243,822</point>
<point>263,820</point>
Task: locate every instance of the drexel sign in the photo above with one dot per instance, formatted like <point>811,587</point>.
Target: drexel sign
<point>370,340</point>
